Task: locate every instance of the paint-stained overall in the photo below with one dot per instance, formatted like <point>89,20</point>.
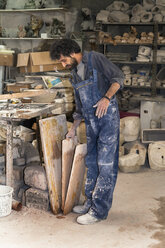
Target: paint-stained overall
<point>102,146</point>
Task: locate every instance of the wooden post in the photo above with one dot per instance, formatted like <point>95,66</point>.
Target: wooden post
<point>9,155</point>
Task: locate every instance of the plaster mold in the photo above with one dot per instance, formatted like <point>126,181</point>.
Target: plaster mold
<point>133,161</point>
<point>156,155</point>
<point>160,2</point>
<point>146,17</point>
<point>158,18</point>
<point>148,4</point>
<point>119,16</point>
<point>118,5</point>
<point>157,9</point>
<point>141,151</point>
<point>137,10</point>
<point>103,16</point>
<point>130,127</point>
<point>129,163</point>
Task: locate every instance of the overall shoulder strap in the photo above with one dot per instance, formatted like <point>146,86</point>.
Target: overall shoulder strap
<point>90,61</point>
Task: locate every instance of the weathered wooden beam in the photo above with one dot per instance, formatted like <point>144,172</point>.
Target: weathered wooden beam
<point>68,149</point>
<point>23,94</point>
<point>76,178</point>
<point>53,131</point>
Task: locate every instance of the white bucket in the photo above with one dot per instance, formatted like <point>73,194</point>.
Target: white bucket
<point>5,200</point>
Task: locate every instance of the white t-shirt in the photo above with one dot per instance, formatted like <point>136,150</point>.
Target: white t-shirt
<point>80,70</point>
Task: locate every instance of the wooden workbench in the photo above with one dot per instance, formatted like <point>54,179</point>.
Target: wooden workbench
<point>13,113</point>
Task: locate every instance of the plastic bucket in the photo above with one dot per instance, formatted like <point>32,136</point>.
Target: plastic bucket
<point>5,200</point>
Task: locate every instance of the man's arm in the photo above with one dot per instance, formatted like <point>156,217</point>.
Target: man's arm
<point>72,132</point>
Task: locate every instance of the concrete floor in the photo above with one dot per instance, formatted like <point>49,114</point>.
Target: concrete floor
<point>135,220</point>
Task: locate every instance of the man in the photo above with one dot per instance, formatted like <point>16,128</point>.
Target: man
<point>95,81</point>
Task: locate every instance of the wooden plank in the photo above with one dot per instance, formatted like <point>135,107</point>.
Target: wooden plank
<point>76,178</point>
<point>23,94</point>
<point>68,149</point>
<point>9,155</point>
<point>53,131</point>
<point>25,113</point>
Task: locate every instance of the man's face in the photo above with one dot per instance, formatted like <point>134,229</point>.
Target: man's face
<point>68,62</point>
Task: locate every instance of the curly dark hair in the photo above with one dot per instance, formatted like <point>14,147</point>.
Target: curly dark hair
<point>64,47</point>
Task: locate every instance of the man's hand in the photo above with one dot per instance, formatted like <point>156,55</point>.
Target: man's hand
<point>102,107</point>
<point>71,134</point>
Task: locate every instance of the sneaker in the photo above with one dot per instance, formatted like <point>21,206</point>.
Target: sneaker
<point>82,209</point>
<point>87,219</point>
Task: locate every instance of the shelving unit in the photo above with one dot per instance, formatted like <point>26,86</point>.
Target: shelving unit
<point>104,26</point>
<point>4,12</point>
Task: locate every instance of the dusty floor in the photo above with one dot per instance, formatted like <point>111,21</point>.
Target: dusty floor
<point>136,220</point>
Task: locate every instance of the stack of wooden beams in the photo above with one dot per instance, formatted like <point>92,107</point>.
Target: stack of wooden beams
<point>64,164</point>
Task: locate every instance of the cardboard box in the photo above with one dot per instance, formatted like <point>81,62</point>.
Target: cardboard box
<point>16,87</point>
<point>37,62</point>
<point>6,60</point>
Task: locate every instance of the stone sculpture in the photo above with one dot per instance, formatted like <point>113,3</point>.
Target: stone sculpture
<point>3,4</point>
<point>21,33</point>
<point>57,28</point>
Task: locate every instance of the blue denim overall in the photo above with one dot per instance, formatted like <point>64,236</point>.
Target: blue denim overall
<point>102,146</point>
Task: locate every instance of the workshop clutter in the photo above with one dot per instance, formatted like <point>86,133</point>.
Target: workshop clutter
<point>37,62</point>
<point>36,27</point>
<point>131,37</point>
<point>141,77</point>
<point>134,149</point>
<point>44,89</point>
<point>131,160</point>
<point>120,11</point>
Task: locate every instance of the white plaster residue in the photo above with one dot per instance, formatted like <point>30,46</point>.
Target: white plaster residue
<point>106,164</point>
<point>104,149</point>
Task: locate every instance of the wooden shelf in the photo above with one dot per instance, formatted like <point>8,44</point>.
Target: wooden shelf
<point>130,62</point>
<point>127,44</point>
<point>143,87</point>
<point>131,23</point>
<point>26,38</point>
<point>32,10</point>
<point>137,87</point>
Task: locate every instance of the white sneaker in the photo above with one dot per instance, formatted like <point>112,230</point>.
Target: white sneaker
<point>81,209</point>
<point>87,219</point>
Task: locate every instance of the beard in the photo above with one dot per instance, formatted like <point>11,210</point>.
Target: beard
<point>72,65</point>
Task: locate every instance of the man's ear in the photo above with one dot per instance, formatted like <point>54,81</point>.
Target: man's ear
<point>72,55</point>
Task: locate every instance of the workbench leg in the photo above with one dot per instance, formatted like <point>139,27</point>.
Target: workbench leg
<point>9,155</point>
<point>38,137</point>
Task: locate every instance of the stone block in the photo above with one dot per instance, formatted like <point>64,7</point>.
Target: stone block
<point>36,198</point>
<point>18,173</point>
<point>16,187</point>
<point>19,161</point>
<point>35,177</point>
<point>21,194</point>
